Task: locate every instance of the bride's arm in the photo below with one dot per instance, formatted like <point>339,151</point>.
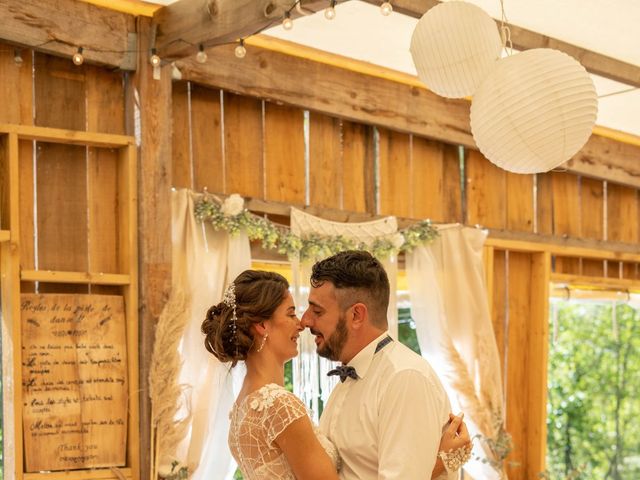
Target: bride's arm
<point>454,436</point>
<point>303,451</point>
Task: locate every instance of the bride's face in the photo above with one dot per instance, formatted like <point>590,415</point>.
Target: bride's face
<point>284,330</point>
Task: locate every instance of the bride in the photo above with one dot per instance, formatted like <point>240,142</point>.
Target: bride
<point>271,435</point>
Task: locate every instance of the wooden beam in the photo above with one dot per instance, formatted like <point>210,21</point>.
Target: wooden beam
<point>183,25</point>
<point>333,90</point>
<point>350,89</point>
<point>524,39</point>
<point>60,27</point>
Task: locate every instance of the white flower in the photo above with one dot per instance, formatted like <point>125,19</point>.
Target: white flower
<point>164,470</point>
<point>397,239</point>
<point>233,205</point>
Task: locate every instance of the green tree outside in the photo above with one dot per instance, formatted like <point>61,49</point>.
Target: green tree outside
<point>593,423</point>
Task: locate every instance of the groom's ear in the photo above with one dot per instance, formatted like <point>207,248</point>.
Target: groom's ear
<point>360,315</point>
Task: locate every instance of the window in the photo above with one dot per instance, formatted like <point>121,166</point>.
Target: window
<point>593,423</point>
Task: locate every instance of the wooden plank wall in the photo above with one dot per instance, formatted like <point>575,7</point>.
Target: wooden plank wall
<point>290,155</point>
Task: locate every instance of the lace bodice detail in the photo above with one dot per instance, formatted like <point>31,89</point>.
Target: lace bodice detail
<point>255,424</point>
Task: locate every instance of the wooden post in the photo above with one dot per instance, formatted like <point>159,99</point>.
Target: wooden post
<point>154,214</point>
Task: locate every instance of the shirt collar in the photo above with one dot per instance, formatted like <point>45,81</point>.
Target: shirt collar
<point>362,361</point>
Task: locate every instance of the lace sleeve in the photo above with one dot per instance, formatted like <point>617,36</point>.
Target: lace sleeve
<point>284,410</point>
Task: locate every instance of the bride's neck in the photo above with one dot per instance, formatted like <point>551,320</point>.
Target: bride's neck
<point>263,369</point>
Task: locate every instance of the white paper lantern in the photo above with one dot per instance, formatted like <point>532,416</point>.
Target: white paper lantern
<point>454,46</point>
<point>534,111</point>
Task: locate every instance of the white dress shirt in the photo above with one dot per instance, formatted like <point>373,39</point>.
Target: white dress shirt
<point>387,423</point>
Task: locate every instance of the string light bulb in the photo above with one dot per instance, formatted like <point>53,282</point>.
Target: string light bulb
<point>77,58</point>
<point>17,57</point>
<point>386,8</point>
<point>287,23</point>
<point>240,51</point>
<point>154,59</point>
<point>201,56</point>
<point>330,12</point>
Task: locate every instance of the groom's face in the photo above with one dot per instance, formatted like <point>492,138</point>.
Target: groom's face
<point>326,320</point>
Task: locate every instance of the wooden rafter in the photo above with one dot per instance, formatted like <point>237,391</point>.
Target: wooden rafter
<point>60,27</point>
<point>524,39</point>
<point>185,24</point>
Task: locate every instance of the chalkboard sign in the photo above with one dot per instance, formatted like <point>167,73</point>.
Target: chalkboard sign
<point>74,374</point>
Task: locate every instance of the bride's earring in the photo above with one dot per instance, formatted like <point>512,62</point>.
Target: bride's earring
<point>264,340</point>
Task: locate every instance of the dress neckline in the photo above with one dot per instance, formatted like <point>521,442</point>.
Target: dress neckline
<point>237,405</point>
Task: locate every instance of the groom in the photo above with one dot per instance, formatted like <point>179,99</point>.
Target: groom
<point>387,415</point>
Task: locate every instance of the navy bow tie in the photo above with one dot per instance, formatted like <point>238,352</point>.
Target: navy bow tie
<point>344,371</point>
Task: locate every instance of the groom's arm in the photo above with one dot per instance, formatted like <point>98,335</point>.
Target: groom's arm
<point>409,428</point>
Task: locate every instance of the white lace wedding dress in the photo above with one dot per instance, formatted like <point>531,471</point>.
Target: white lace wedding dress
<point>256,422</point>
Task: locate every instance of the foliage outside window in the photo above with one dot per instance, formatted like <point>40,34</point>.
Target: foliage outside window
<point>594,390</point>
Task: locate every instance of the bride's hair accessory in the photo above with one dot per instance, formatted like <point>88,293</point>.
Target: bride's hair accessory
<point>454,459</point>
<point>229,299</point>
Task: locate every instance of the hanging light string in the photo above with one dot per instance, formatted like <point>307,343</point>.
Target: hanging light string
<point>505,31</point>
<point>156,61</point>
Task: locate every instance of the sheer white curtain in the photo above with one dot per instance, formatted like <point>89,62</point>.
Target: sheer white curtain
<point>451,311</point>
<point>204,262</point>
<point>310,381</point>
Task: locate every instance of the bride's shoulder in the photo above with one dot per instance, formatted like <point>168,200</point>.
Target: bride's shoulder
<point>269,395</point>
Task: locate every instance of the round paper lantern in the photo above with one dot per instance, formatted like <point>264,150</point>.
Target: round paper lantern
<point>534,111</point>
<point>454,46</point>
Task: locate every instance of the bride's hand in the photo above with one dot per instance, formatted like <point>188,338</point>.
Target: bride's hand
<point>455,435</point>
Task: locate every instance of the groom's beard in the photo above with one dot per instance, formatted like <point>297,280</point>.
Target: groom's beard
<point>332,347</point>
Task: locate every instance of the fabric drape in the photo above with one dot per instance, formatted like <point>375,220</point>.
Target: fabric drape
<point>205,261</point>
<point>450,308</point>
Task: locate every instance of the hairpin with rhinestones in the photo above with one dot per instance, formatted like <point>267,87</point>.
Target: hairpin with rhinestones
<point>229,299</point>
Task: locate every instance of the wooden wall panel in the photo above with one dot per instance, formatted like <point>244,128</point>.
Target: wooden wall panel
<point>499,305</point>
<point>325,161</point>
<point>206,139</point>
<point>395,173</point>
<point>486,191</point>
<point>284,153</point>
<point>60,94</point>
<point>244,172</point>
<point>181,164</point>
<point>427,179</point>
<point>105,113</point>
<point>452,184</point>
<point>566,215</point>
<point>622,212</point>
<point>358,166</point>
<point>592,214</point>
<point>519,204</point>
<point>519,298</point>
<point>16,98</point>
<point>544,203</point>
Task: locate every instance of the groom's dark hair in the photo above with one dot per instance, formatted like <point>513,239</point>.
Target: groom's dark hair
<point>358,277</point>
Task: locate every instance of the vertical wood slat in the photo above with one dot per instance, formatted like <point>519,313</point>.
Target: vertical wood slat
<point>498,305</point>
<point>519,299</point>
<point>622,223</point>
<point>325,161</point>
<point>544,203</point>
<point>486,192</point>
<point>284,153</point>
<point>105,114</point>
<point>395,173</point>
<point>358,166</point>
<point>10,301</point>
<point>452,185</point>
<point>181,164</point>
<point>16,98</point>
<point>60,93</point>
<point>206,139</point>
<point>243,134</point>
<point>566,215</point>
<point>592,212</point>
<point>427,180</point>
<point>519,202</point>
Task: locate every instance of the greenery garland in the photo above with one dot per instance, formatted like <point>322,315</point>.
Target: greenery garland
<point>280,238</point>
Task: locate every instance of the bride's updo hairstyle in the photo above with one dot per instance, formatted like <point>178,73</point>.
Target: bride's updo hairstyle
<point>255,296</point>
